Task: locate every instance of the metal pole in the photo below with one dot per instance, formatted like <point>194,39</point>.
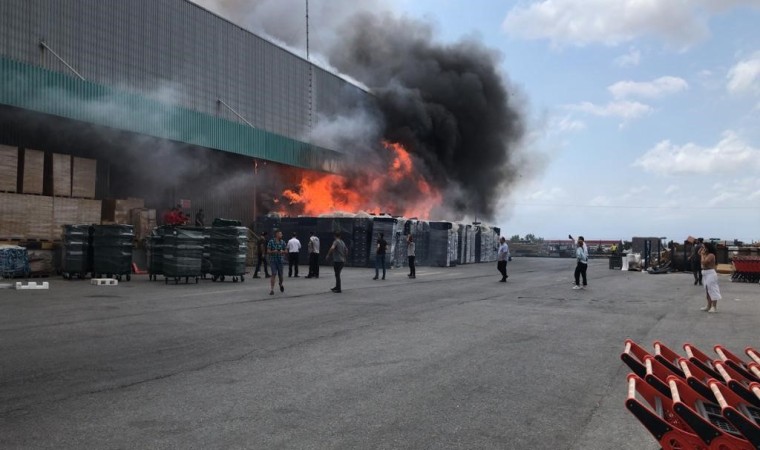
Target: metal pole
<point>255,183</point>
<point>307,30</point>
<point>235,112</point>
<point>45,46</point>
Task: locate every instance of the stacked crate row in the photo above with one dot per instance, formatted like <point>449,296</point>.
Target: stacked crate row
<point>182,253</point>
<point>442,244</point>
<point>111,249</point>
<point>228,251</point>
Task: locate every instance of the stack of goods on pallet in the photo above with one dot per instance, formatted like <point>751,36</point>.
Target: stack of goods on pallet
<point>8,168</point>
<point>34,171</point>
<point>399,255</point>
<point>206,264</point>
<point>453,247</point>
<point>61,175</point>
<point>143,220</point>
<point>14,261</point>
<point>75,252</point>
<point>440,251</point>
<point>420,229</point>
<point>25,216</point>
<point>183,254</point>
<point>306,226</point>
<point>83,175</point>
<point>228,252</point>
<point>68,211</point>
<point>362,247</point>
<point>111,247</point>
<point>41,262</point>
<point>117,210</point>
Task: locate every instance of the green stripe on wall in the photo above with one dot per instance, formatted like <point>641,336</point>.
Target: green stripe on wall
<point>37,89</point>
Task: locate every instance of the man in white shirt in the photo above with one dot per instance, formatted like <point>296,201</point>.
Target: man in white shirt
<point>502,259</point>
<point>294,248</point>
<point>313,256</point>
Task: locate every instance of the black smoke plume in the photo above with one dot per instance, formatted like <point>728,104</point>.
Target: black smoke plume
<point>447,104</point>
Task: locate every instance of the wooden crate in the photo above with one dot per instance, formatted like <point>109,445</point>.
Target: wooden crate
<point>34,169</point>
<point>39,211</point>
<point>8,168</point>
<point>84,172</point>
<point>61,175</point>
<point>13,213</point>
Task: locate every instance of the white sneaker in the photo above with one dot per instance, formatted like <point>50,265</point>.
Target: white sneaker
<point>704,308</point>
<point>712,310</point>
<point>577,287</point>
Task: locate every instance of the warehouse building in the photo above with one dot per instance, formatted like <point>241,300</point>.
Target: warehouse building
<point>112,105</point>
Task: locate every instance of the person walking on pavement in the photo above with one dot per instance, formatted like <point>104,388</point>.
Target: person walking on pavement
<point>261,249</point>
<point>313,246</point>
<point>410,248</point>
<point>340,252</point>
<point>294,249</point>
<point>503,257</point>
<point>580,269</point>
<point>276,250</point>
<point>710,276</point>
<point>382,246</point>
<point>696,261</point>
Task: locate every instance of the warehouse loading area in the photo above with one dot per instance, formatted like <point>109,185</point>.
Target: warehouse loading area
<point>401,363</point>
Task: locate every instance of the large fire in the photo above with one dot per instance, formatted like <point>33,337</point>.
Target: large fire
<point>398,189</point>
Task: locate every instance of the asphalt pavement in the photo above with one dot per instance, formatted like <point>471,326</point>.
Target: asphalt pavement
<point>452,359</point>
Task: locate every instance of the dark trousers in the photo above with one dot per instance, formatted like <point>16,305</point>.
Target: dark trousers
<point>379,262</point>
<point>314,265</point>
<point>412,269</point>
<point>259,262</point>
<point>338,266</point>
<point>501,266</point>
<point>696,268</point>
<point>292,262</point>
<point>580,271</point>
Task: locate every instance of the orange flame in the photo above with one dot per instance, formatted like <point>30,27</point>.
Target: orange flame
<point>368,191</point>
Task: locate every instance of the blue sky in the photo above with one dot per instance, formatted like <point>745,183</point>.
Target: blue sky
<point>643,114</point>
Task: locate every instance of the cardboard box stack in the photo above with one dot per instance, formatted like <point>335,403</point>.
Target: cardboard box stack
<point>143,220</point>
<point>34,169</point>
<point>69,211</point>
<point>83,179</point>
<point>8,168</point>
<point>117,210</point>
<point>61,175</point>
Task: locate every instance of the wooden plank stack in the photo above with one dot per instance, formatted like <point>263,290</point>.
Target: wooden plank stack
<point>117,210</point>
<point>34,170</point>
<point>61,175</point>
<point>84,172</point>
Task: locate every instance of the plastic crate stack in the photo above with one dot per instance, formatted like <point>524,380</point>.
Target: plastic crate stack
<point>363,250</point>
<point>183,254</point>
<point>75,251</point>
<point>453,246</point>
<point>14,261</point>
<point>228,252</point>
<point>111,249</point>
<point>440,250</point>
<point>155,252</point>
<point>695,401</point>
<point>746,269</point>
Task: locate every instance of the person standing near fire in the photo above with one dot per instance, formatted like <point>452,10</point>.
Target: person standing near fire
<point>503,257</point>
<point>382,246</point>
<point>261,250</point>
<point>276,250</point>
<point>340,252</point>
<point>313,246</point>
<point>410,253</point>
<point>712,290</point>
<point>581,257</point>
<point>294,249</point>
<point>696,261</point>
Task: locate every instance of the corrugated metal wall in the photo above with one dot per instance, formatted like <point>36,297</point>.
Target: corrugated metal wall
<point>175,52</point>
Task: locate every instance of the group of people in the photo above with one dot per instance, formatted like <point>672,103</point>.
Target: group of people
<point>703,265</point>
<point>271,253</point>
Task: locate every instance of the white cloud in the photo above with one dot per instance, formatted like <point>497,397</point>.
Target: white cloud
<point>624,109</point>
<point>612,22</point>
<point>547,195</point>
<point>566,124</point>
<point>731,154</point>
<point>672,189</point>
<point>649,89</point>
<point>744,77</point>
<point>630,59</point>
